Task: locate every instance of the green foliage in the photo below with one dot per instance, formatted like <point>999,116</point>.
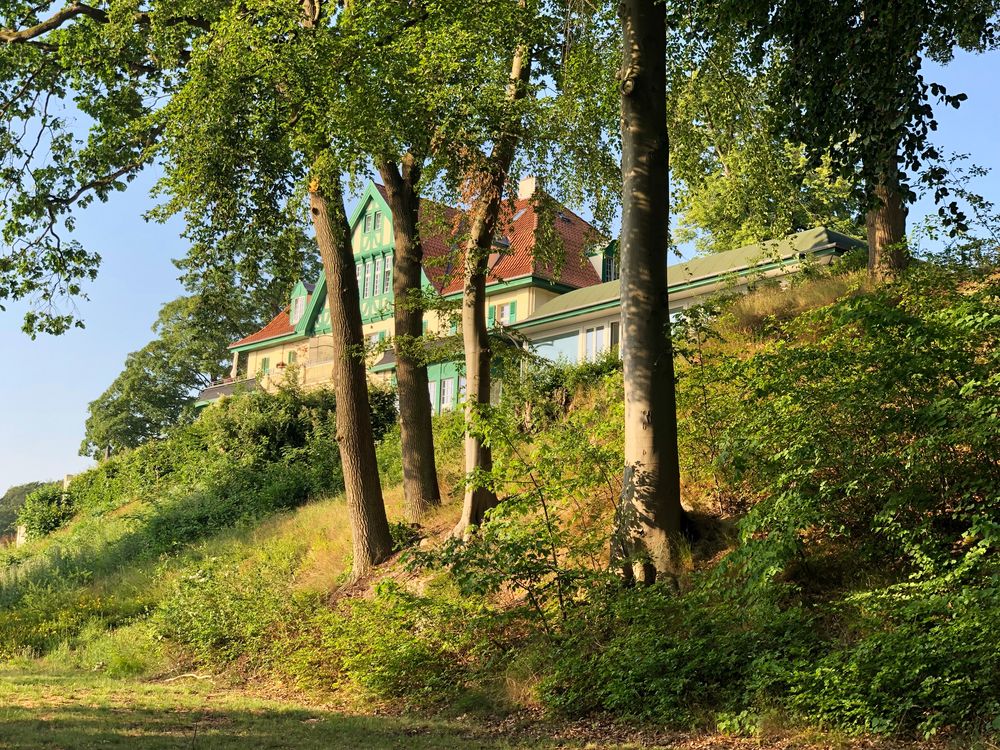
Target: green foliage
<point>405,647</point>
<point>863,439</point>
<point>156,389</point>
<point>46,509</point>
<point>539,392</point>
<point>224,609</point>
<point>736,179</point>
<point>548,537</point>
<point>862,108</point>
<point>649,654</point>
<point>11,503</point>
<point>247,457</point>
<point>403,535</point>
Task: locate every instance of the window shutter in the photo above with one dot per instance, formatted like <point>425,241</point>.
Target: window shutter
<point>513,311</point>
<point>381,336</point>
<point>491,316</point>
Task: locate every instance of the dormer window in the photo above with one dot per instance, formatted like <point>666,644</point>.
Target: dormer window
<point>609,267</point>
<point>298,309</point>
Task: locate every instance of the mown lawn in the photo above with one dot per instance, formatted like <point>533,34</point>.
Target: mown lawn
<point>76,711</point>
<point>72,710</point>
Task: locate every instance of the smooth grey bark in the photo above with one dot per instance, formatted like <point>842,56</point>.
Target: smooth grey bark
<point>372,542</point>
<point>489,187</point>
<point>420,480</point>
<point>648,521</point>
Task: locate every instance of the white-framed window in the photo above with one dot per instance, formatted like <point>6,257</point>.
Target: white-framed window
<point>298,309</point>
<point>432,390</point>
<point>387,282</point>
<point>357,270</point>
<point>377,221</point>
<point>368,279</point>
<point>505,314</point>
<point>461,388</point>
<point>378,275</point>
<point>594,343</point>
<point>448,394</point>
<point>368,222</point>
<point>609,267</point>
<point>374,338</point>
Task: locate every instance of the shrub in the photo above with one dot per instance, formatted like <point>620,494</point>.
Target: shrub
<point>652,655</point>
<point>223,609</point>
<point>400,646</point>
<point>11,503</point>
<point>45,510</point>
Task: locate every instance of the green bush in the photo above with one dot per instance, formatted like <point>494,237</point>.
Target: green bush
<point>223,609</point>
<point>45,510</point>
<point>538,392</point>
<point>652,655</point>
<point>399,646</point>
<point>864,439</point>
<point>10,505</point>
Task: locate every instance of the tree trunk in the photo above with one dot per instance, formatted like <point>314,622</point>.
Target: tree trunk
<point>365,507</point>
<point>648,522</point>
<point>489,187</point>
<point>420,482</point>
<point>886,225</point>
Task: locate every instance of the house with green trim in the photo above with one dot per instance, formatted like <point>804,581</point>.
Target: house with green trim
<point>563,298</point>
<point>542,251</point>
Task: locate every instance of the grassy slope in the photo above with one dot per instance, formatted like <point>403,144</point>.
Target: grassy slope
<point>49,706</point>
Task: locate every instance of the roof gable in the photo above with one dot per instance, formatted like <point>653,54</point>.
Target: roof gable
<point>371,194</point>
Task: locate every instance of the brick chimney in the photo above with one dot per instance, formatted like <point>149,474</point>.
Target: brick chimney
<point>526,188</point>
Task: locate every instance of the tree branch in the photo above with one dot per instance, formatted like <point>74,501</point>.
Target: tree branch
<point>57,19</point>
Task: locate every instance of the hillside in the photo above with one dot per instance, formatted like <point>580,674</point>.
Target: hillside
<point>840,449</point>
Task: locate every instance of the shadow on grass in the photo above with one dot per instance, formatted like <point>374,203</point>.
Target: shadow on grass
<point>41,711</point>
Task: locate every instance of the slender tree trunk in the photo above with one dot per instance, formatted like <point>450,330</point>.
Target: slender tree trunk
<point>648,522</point>
<point>489,187</point>
<point>420,482</point>
<point>478,356</point>
<point>886,225</point>
<point>365,507</point>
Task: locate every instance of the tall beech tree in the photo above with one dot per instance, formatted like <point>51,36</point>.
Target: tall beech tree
<point>420,481</point>
<point>854,92</point>
<point>372,542</point>
<point>648,520</point>
<point>486,182</point>
<point>255,127</point>
<point>241,105</point>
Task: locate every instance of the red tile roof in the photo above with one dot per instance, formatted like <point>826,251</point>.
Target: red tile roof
<point>517,229</point>
<point>280,325</point>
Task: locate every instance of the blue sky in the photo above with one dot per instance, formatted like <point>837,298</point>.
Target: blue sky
<point>47,383</point>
